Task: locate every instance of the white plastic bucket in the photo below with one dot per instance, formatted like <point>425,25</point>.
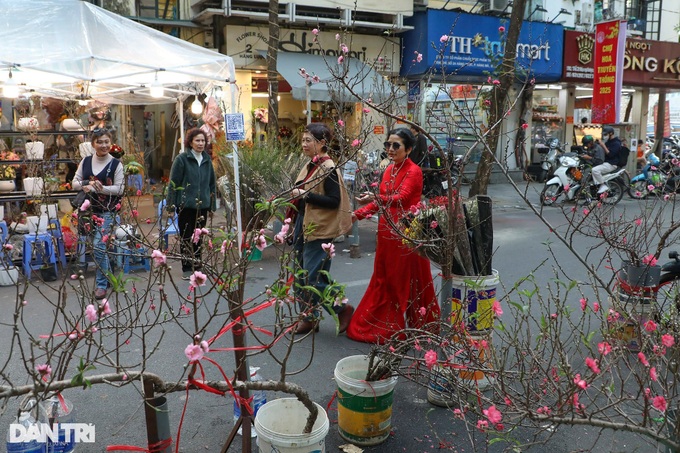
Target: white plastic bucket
<point>279,424</point>
<point>472,300</point>
<point>69,124</point>
<point>9,276</point>
<point>35,150</point>
<point>50,210</point>
<point>364,408</point>
<point>32,222</point>
<point>33,186</point>
<point>28,124</point>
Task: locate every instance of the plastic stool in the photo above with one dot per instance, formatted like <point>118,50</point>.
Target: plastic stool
<point>30,264</point>
<point>4,234</point>
<point>131,259</point>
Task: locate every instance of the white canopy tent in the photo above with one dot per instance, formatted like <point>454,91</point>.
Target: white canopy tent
<point>71,49</point>
<point>74,49</point>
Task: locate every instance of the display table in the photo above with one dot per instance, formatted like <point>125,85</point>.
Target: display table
<point>20,195</point>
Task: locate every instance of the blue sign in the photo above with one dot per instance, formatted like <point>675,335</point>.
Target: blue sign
<point>470,46</point>
<point>234,126</point>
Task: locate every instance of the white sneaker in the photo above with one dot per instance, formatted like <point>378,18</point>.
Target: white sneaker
<point>603,188</point>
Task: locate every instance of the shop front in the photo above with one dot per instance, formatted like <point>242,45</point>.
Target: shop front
<point>369,60</point>
<point>648,67</point>
<point>450,59</point>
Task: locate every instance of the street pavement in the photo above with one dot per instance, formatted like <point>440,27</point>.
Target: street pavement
<point>417,425</point>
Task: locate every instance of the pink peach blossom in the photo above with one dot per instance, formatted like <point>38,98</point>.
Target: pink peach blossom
<point>650,326</point>
<point>45,370</point>
<point>660,403</point>
<point>91,313</point>
<point>158,257</point>
<point>430,358</point>
<point>667,340</point>
<point>197,279</point>
<point>643,359</point>
<point>493,414</point>
<point>193,352</point>
<point>592,364</point>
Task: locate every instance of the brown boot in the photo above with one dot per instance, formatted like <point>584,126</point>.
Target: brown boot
<point>304,327</point>
<point>344,318</point>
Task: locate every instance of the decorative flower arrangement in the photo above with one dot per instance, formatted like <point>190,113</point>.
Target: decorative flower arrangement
<point>8,171</point>
<point>261,114</point>
<point>116,151</point>
<point>285,132</point>
<point>425,226</point>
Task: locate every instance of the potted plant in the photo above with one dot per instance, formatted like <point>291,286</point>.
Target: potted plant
<point>8,171</point>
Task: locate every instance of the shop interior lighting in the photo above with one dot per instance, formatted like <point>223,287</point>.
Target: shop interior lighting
<point>564,11</point>
<point>10,89</point>
<point>538,8</point>
<point>260,95</point>
<point>196,106</point>
<point>156,88</point>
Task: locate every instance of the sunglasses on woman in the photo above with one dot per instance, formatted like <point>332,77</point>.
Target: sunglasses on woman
<point>395,145</point>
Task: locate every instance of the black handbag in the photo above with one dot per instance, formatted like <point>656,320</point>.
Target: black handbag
<point>78,201</point>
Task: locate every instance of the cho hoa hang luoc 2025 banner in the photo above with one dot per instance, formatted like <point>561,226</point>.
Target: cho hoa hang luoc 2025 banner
<point>610,42</point>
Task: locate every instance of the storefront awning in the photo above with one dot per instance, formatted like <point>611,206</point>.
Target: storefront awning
<point>361,79</point>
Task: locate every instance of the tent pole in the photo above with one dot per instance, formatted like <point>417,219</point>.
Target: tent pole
<point>309,103</point>
<point>180,106</point>
<point>237,176</point>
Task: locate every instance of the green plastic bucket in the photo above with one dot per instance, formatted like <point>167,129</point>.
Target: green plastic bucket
<point>364,408</point>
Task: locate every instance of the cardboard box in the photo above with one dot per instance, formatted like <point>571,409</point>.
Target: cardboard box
<point>143,204</point>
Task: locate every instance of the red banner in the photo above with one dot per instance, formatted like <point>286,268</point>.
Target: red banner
<point>610,41</point>
<point>666,121</point>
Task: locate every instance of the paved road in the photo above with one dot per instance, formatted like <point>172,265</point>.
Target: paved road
<point>418,426</point>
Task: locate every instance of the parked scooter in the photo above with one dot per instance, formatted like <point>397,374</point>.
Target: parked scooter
<point>435,181</point>
<point>657,176</point>
<point>549,159</point>
<point>668,290</point>
<point>569,180</point>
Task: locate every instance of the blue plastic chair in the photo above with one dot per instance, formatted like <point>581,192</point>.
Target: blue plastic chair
<point>169,228</point>
<point>48,254</point>
<point>130,258</point>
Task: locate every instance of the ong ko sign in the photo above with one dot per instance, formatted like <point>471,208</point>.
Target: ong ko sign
<point>646,63</point>
<point>470,46</point>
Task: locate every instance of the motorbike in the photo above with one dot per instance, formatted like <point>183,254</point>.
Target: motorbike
<point>549,159</point>
<point>659,176</point>
<point>668,289</point>
<point>435,183</point>
<point>569,180</point>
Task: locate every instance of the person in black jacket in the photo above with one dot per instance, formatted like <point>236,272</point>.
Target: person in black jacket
<point>612,147</point>
<point>419,153</point>
<point>192,193</point>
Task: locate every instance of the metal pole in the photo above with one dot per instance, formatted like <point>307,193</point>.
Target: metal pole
<point>309,103</point>
<point>180,105</point>
<point>237,178</point>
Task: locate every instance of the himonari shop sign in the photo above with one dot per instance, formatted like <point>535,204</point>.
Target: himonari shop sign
<point>247,45</point>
